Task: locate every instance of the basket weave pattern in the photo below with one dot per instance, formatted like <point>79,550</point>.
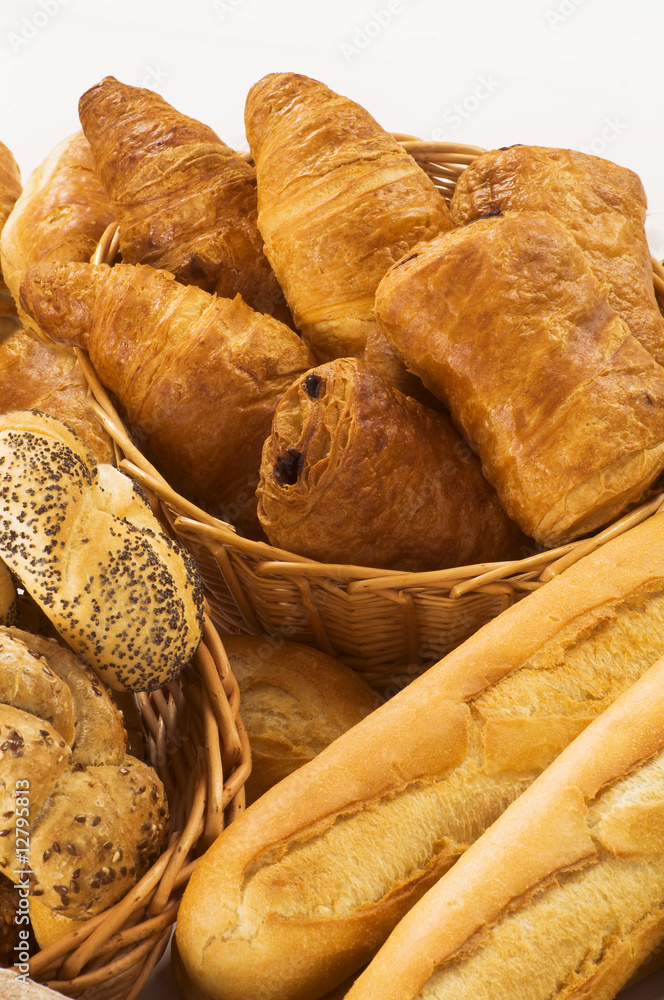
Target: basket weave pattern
<point>387,625</point>
<point>195,740</point>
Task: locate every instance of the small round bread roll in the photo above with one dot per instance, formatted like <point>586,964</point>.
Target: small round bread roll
<point>295,702</point>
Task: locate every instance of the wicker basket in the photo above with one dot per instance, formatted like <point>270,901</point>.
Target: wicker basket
<point>387,625</point>
<point>195,740</point>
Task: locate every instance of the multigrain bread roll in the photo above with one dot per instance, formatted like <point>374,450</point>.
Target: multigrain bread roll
<point>564,895</point>
<point>60,215</point>
<point>40,375</point>
<point>198,377</point>
<point>95,817</point>
<point>295,702</point>
<point>356,472</point>
<point>185,201</point>
<point>339,201</point>
<point>602,205</point>
<point>83,541</point>
<point>10,189</point>
<point>505,321</point>
<point>301,891</point>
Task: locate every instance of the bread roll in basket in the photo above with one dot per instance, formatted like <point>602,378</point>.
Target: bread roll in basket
<point>388,625</point>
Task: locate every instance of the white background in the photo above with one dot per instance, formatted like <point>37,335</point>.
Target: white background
<point>586,74</point>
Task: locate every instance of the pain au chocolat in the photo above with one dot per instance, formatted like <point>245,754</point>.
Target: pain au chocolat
<point>505,321</point>
<point>355,471</point>
<point>601,204</point>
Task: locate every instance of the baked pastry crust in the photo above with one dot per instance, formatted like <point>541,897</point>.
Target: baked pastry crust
<point>601,204</point>
<point>185,201</point>
<point>10,189</point>
<point>356,472</point>
<point>505,322</point>
<point>198,377</point>
<point>339,201</point>
<point>60,215</point>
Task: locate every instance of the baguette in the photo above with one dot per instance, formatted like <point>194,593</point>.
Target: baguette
<point>300,891</point>
<point>564,895</point>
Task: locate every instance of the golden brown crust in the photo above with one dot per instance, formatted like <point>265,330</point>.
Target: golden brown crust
<point>295,702</point>
<point>85,544</point>
<point>199,377</point>
<point>10,189</point>
<point>60,216</point>
<point>513,883</point>
<point>339,201</point>
<point>99,734</point>
<point>505,321</point>
<point>46,376</point>
<point>601,204</point>
<point>88,818</point>
<point>184,200</point>
<point>356,472</point>
<point>297,893</point>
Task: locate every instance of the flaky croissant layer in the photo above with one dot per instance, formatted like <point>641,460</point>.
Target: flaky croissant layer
<point>199,377</point>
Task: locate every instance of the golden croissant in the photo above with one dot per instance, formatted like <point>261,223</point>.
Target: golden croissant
<point>601,204</point>
<point>184,200</point>
<point>10,189</point>
<point>46,376</point>
<point>505,321</point>
<point>339,201</point>
<point>60,215</point>
<point>198,377</point>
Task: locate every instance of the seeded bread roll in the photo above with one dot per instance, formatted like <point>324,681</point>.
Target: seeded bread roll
<point>85,544</point>
<point>301,891</point>
<point>95,817</point>
<point>295,702</point>
<point>564,895</point>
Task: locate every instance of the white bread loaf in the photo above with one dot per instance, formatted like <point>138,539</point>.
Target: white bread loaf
<point>86,546</point>
<point>564,895</point>
<point>300,891</point>
<point>295,702</point>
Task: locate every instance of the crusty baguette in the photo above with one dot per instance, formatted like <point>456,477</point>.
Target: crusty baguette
<point>564,895</point>
<point>86,546</point>
<point>301,890</point>
<point>295,702</point>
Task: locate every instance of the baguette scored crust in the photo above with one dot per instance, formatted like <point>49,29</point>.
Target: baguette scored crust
<point>564,895</point>
<point>300,891</point>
